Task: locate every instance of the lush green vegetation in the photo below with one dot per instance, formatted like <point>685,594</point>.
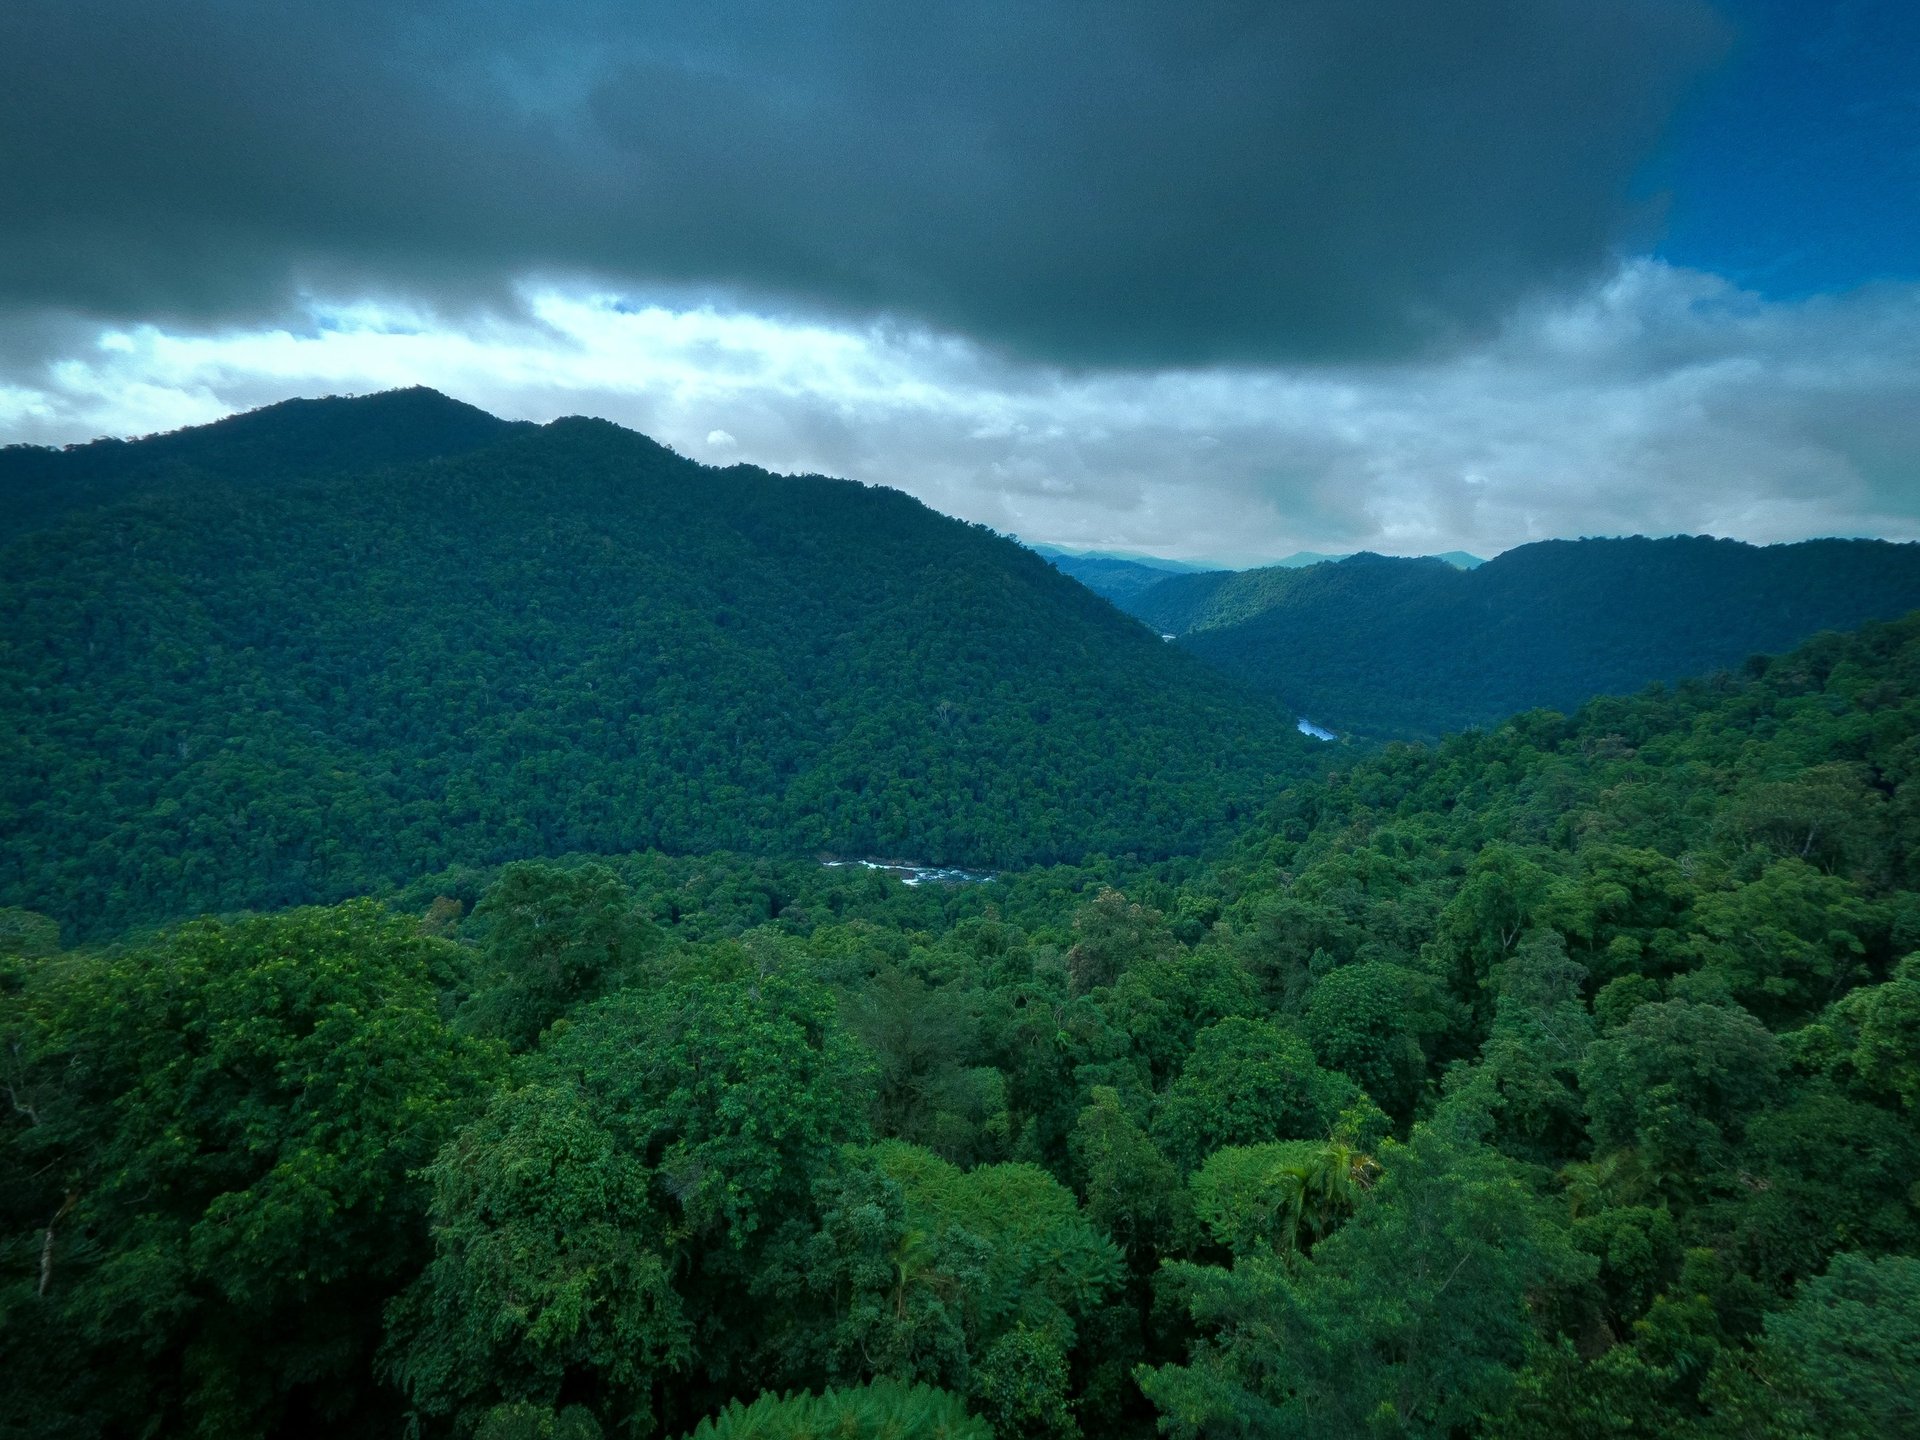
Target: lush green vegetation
<point>1212,599</point>
<point>219,696</point>
<point>40,485</point>
<point>1415,649</point>
<point>1558,1080</point>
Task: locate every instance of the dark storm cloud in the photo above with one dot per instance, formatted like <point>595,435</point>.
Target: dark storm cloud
<point>1104,183</point>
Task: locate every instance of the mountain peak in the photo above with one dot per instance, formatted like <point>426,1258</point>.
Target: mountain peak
<point>290,439</point>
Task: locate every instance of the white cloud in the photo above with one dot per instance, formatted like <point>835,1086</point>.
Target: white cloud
<point>1661,401</point>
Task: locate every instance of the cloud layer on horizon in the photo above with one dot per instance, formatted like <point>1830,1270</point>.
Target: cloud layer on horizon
<point>1218,280</point>
<point>1655,400</point>
<point>1120,183</point>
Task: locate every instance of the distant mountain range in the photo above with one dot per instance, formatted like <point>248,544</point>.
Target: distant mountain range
<point>1459,559</point>
<point>1116,577</point>
<point>1151,562</point>
<point>1121,575</point>
<point>1413,648</point>
<point>323,648</point>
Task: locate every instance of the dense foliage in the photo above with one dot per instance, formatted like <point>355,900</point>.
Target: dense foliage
<point>300,690</point>
<point>40,484</point>
<point>1558,1080</point>
<point>1214,599</point>
<point>1414,649</point>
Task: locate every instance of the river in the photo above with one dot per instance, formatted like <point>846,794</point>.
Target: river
<point>910,873</point>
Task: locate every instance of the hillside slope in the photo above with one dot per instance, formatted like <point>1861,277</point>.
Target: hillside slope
<point>234,696</point>
<point>40,484</point>
<point>1416,648</point>
<point>1210,599</point>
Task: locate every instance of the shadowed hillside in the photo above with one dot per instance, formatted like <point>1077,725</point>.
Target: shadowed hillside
<point>232,695</point>
<point>1117,577</point>
<point>1415,648</point>
<point>39,484</point>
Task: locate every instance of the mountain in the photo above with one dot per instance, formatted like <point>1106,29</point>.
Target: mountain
<point>1459,559</point>
<point>1179,604</point>
<point>1152,562</point>
<point>1115,576</point>
<point>1127,579</point>
<point>1387,647</point>
<point>1115,580</point>
<point>1301,558</point>
<point>1207,600</point>
<point>39,484</point>
<point>225,693</point>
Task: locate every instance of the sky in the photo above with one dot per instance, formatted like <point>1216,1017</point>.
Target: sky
<point>1216,280</point>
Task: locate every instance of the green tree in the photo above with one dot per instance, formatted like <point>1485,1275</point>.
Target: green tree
<point>1870,1039</point>
<point>1827,815</point>
<point>520,1421</point>
<point>1791,940</point>
<point>27,935</point>
<point>924,1040</point>
<point>1505,891</point>
<point>1022,1387</point>
<point>1162,1002</point>
<point>554,938</point>
<point>1658,1382</point>
<point>607,1222</point>
<point>1279,1199</point>
<point>1046,1267</point>
<point>881,1410</point>
<point>1821,1173</point>
<point>1852,1340</point>
<point>1409,1319</point>
<point>1530,1062</point>
<point>1131,1190</point>
<point>867,1290</point>
<point>1247,1081</point>
<point>1639,1253</point>
<point>1371,1021</point>
<point>222,1138</point>
<point>553,1269</point>
<point>980,1280</point>
<point>1678,1081</point>
<point>1111,935</point>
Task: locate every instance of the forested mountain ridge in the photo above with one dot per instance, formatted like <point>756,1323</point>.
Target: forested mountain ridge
<point>1187,604</point>
<point>39,484</point>
<point>1393,648</point>
<point>1113,576</point>
<point>1213,599</point>
<point>1113,580</point>
<point>1559,1080</point>
<point>229,696</point>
